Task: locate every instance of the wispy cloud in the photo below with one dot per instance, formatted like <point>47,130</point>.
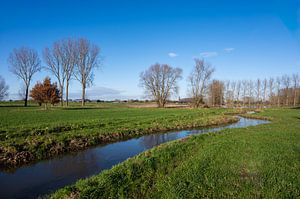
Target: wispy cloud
<point>171,54</point>
<point>208,54</point>
<point>99,92</point>
<point>228,50</point>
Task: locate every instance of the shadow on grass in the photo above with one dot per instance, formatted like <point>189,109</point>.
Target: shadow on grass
<point>83,108</point>
<point>20,106</point>
<point>296,107</point>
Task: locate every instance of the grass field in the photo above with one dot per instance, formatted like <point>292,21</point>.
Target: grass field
<point>253,162</point>
<point>28,134</point>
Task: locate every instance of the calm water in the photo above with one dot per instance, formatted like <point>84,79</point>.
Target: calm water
<point>47,176</point>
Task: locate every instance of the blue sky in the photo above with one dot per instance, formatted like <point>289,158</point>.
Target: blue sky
<point>241,39</point>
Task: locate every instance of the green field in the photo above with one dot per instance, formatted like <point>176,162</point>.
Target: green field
<point>254,162</point>
<point>29,134</point>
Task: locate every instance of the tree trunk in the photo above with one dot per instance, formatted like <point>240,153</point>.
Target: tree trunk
<point>61,95</point>
<point>160,103</point>
<point>83,95</point>
<point>67,93</point>
<point>287,98</point>
<point>26,96</point>
<point>249,102</point>
<point>295,96</point>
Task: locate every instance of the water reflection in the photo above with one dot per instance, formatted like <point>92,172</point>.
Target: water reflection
<point>47,176</point>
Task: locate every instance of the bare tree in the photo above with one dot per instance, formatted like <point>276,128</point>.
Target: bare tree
<point>69,59</point>
<point>3,89</point>
<point>88,61</point>
<point>199,81</point>
<point>24,63</point>
<point>250,91</point>
<point>54,59</point>
<point>232,93</point>
<point>264,89</point>
<point>278,87</point>
<point>160,82</point>
<point>216,93</point>
<point>271,88</point>
<point>286,80</point>
<point>227,91</point>
<point>258,91</point>
<point>245,88</point>
<point>238,91</point>
<point>296,80</point>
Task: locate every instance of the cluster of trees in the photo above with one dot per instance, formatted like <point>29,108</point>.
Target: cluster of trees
<point>160,82</point>
<point>279,91</point>
<point>65,59</point>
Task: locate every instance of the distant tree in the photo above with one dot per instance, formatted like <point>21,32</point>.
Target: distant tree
<point>232,92</point>
<point>296,80</point>
<point>199,80</point>
<point>88,61</point>
<point>227,92</point>
<point>46,92</point>
<point>24,63</point>
<point>238,91</point>
<point>245,88</point>
<point>278,87</point>
<point>271,89</point>
<point>258,92</point>
<point>160,82</point>
<point>250,91</point>
<point>216,93</point>
<point>264,90</point>
<point>286,80</point>
<point>3,89</point>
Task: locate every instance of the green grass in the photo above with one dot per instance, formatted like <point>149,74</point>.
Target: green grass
<point>253,162</point>
<point>28,134</point>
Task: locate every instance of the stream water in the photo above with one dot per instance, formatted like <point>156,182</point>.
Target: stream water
<point>47,176</point>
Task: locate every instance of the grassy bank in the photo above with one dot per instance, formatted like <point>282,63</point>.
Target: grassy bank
<point>253,162</point>
<point>29,134</point>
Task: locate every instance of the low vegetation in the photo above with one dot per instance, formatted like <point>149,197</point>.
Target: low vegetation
<point>253,162</point>
<point>29,134</point>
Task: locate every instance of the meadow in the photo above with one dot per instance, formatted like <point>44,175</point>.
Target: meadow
<point>32,133</point>
<point>254,162</point>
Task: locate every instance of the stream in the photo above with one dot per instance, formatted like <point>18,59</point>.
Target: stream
<point>47,176</point>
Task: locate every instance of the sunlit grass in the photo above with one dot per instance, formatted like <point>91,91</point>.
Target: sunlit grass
<point>28,134</point>
<point>252,162</point>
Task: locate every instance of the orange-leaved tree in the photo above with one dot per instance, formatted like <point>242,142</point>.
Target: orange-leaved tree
<point>46,92</point>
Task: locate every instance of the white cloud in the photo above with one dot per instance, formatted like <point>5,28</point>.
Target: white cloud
<point>228,50</point>
<point>171,54</point>
<point>208,54</point>
<point>99,92</point>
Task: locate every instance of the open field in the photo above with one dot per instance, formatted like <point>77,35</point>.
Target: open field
<point>28,134</point>
<point>253,162</point>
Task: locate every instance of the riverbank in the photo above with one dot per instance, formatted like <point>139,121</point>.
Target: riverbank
<point>31,134</point>
<point>253,162</point>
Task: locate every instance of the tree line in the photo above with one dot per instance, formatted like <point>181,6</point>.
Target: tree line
<point>273,91</point>
<point>65,59</point>
<point>160,82</point>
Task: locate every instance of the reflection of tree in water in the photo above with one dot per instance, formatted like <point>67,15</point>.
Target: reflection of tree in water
<point>80,165</point>
<point>155,139</point>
